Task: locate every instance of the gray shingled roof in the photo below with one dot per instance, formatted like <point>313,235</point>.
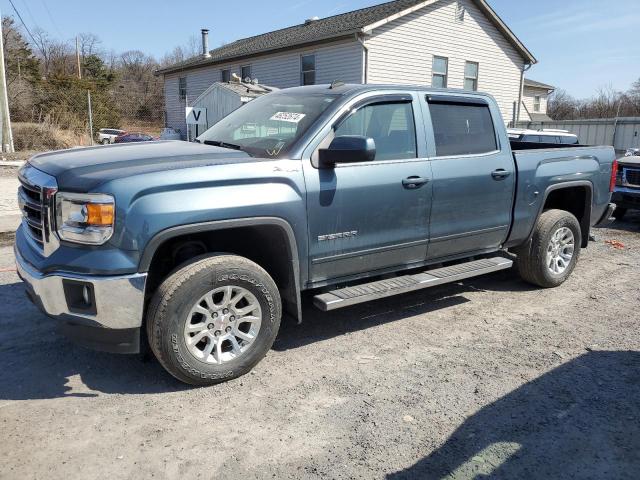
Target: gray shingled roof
<point>535,84</point>
<point>318,30</point>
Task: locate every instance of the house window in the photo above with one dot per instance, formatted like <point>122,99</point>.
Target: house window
<point>461,11</point>
<point>308,70</point>
<point>536,103</point>
<point>471,76</point>
<point>440,72</point>
<point>225,75</point>
<point>182,88</point>
<point>245,72</point>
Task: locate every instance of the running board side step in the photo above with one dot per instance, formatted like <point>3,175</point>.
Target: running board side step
<point>345,297</point>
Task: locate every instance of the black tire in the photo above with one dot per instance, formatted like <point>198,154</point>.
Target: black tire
<point>532,256</point>
<point>105,141</point>
<point>174,299</point>
<point>619,213</point>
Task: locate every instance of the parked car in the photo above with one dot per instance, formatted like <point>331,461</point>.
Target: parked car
<point>632,152</point>
<point>546,137</point>
<point>134,137</point>
<point>627,192</point>
<point>107,136</point>
<point>326,189</point>
<point>170,134</point>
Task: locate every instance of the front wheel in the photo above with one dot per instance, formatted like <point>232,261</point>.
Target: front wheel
<point>550,256</point>
<point>214,319</point>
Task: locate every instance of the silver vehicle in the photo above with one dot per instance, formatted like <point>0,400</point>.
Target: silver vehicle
<point>108,136</point>
<point>543,136</point>
<point>632,152</point>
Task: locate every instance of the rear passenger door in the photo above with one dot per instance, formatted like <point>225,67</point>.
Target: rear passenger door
<point>473,177</point>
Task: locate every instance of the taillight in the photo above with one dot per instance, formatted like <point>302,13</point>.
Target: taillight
<point>614,175</point>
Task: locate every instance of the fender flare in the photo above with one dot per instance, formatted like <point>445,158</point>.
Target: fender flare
<point>292,247</point>
<point>585,224</point>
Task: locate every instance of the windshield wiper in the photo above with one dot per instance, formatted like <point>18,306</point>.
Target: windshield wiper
<point>216,143</point>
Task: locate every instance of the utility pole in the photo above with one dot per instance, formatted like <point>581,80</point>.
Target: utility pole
<point>78,58</point>
<point>7,136</point>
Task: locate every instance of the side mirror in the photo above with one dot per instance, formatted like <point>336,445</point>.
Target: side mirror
<point>348,149</point>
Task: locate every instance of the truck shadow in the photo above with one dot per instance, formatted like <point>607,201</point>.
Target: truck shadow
<point>629,223</point>
<point>581,420</point>
<point>38,363</point>
<point>318,326</point>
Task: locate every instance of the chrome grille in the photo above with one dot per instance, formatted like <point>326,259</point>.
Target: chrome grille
<point>36,196</point>
<point>631,176</point>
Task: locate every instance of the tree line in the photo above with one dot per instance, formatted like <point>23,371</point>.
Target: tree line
<point>607,103</point>
<point>45,84</point>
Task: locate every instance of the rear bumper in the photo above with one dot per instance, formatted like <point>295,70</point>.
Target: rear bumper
<point>607,217</point>
<point>101,312</point>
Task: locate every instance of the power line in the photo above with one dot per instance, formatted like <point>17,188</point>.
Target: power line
<point>53,22</point>
<point>23,24</point>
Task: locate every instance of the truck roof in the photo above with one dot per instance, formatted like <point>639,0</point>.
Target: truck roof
<point>354,88</point>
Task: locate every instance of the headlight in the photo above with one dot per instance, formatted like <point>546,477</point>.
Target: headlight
<point>85,217</point>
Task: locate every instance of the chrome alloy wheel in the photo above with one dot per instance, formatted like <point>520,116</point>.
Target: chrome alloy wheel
<point>223,324</point>
<point>560,250</point>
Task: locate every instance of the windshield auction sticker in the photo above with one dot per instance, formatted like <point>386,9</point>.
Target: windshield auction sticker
<point>291,117</point>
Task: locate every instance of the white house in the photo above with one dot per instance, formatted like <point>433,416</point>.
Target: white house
<point>534,101</point>
<point>443,43</point>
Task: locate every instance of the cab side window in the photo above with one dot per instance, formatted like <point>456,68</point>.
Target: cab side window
<point>391,125</point>
<point>462,128</point>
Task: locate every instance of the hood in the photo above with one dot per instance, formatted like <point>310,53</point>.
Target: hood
<point>83,169</point>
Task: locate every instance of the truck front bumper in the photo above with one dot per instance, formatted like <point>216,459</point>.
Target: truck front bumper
<point>100,312</point>
<point>626,197</point>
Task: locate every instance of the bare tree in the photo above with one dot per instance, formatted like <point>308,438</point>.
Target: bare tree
<point>181,53</point>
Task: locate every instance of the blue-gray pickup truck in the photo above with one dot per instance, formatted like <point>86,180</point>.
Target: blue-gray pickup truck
<point>352,192</point>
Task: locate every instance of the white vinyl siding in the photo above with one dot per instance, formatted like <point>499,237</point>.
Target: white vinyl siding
<point>529,102</point>
<point>402,50</point>
<point>334,61</point>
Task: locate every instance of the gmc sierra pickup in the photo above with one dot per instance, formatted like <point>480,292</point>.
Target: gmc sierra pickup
<point>355,192</point>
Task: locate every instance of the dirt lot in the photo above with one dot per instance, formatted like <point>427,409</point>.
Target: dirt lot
<point>486,377</point>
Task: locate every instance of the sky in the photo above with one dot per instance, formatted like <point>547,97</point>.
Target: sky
<point>581,45</point>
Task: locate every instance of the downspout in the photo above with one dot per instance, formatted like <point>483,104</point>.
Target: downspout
<point>525,68</point>
<point>365,58</point>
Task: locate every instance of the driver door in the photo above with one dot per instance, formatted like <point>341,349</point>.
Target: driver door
<point>370,216</point>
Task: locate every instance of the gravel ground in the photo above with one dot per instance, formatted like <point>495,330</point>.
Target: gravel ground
<point>485,378</point>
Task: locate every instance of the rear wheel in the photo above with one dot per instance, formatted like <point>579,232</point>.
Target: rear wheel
<point>619,213</point>
<point>551,254</point>
<point>214,319</point>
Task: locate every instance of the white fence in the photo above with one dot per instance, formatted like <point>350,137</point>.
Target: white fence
<point>621,133</point>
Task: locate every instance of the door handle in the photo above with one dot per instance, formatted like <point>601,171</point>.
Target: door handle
<point>500,174</point>
<point>413,183</point>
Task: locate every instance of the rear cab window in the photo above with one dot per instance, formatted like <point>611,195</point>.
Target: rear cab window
<point>462,126</point>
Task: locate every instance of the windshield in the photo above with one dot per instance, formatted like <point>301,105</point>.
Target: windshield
<point>268,126</point>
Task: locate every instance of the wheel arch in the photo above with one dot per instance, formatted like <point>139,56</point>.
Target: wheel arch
<point>206,238</point>
<point>575,197</point>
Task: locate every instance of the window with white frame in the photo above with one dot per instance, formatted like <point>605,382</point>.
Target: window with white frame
<point>308,69</point>
<point>440,72</point>
<point>471,76</point>
<point>536,103</point>
<point>225,75</point>
<point>245,72</point>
